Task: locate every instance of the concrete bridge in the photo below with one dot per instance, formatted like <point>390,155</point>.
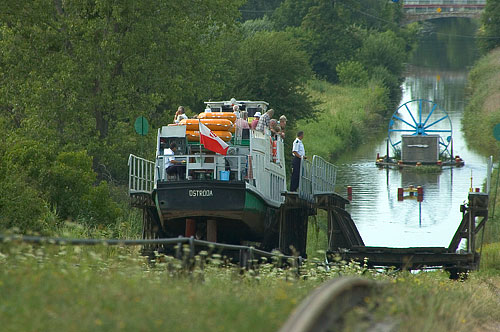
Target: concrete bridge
<point>421,10</point>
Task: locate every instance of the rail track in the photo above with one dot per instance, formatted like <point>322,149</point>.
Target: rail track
<point>323,310</point>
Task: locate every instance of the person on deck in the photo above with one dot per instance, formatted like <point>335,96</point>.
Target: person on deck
<point>173,166</point>
<point>264,121</point>
<point>282,124</point>
<point>255,121</point>
<point>236,111</point>
<point>180,115</point>
<point>242,123</point>
<point>275,128</point>
<point>298,153</point>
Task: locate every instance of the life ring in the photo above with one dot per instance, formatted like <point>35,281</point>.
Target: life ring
<point>218,115</point>
<point>212,124</point>
<point>194,135</point>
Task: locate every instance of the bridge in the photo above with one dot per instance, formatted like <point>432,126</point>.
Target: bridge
<point>421,10</point>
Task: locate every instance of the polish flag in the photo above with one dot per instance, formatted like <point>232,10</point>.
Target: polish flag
<point>211,141</point>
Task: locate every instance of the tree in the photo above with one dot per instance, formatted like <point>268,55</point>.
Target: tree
<point>80,72</point>
<point>489,33</point>
<point>271,66</point>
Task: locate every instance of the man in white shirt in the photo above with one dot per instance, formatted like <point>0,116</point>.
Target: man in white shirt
<point>299,153</point>
<point>173,166</point>
<point>180,115</point>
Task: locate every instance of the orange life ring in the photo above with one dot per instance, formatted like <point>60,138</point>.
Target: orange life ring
<point>218,115</point>
<point>212,124</point>
<point>275,151</point>
<point>194,135</point>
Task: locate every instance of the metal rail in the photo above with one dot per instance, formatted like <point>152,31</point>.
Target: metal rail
<point>324,175</point>
<point>323,310</point>
<point>316,177</point>
<point>253,252</point>
<point>141,175</point>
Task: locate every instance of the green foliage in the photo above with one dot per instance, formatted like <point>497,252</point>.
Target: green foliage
<point>482,112</point>
<point>336,29</point>
<point>489,33</point>
<point>383,49</point>
<point>75,72</point>
<point>21,205</point>
<point>256,9</point>
<point>251,27</point>
<point>70,187</point>
<point>352,73</point>
<point>346,114</point>
<point>271,64</point>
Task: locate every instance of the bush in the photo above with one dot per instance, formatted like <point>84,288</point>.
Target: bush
<point>72,190</point>
<point>352,73</point>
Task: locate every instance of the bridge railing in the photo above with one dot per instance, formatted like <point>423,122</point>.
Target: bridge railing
<point>444,2</point>
<point>140,175</point>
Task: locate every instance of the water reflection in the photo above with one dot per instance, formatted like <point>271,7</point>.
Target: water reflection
<point>435,74</point>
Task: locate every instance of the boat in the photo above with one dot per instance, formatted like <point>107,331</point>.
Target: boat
<point>420,134</point>
<point>237,198</point>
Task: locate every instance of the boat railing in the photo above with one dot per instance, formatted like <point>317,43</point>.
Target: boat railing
<point>306,180</point>
<point>324,175</point>
<point>141,175</point>
<point>203,166</point>
<point>489,171</point>
<point>316,177</point>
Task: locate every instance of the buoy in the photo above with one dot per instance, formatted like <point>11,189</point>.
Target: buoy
<point>349,191</point>
<point>439,162</point>
<point>400,194</point>
<point>275,150</point>
<point>212,124</point>
<point>194,136</point>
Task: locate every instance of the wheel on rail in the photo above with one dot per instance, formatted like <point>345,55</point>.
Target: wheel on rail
<point>324,309</point>
<point>420,117</point>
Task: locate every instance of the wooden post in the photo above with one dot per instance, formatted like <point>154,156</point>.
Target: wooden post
<point>190,227</point>
<point>212,230</point>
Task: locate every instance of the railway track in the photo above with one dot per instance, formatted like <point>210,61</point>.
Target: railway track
<point>323,310</point>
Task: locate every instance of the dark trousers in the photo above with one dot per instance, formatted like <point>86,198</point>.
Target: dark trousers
<point>294,181</point>
<point>180,170</point>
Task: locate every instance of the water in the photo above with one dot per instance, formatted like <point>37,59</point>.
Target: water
<point>438,73</point>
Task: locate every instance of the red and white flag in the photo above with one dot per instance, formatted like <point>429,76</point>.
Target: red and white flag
<point>211,141</point>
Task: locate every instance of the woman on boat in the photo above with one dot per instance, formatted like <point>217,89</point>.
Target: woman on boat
<point>242,123</point>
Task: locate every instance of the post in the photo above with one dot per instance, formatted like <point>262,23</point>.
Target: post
<point>420,193</point>
<point>387,153</point>
<point>212,230</point>
<point>190,227</point>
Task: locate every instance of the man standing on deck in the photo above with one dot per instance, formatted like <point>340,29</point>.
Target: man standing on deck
<point>298,153</point>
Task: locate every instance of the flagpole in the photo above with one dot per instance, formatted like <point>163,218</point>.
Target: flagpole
<point>199,141</point>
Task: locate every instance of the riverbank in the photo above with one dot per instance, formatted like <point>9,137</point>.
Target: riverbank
<point>483,108</point>
<point>347,117</point>
<point>481,115</point>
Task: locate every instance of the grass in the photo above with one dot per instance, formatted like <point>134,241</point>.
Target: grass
<point>483,108</point>
<point>79,289</point>
<point>346,117</point>
<point>48,288</point>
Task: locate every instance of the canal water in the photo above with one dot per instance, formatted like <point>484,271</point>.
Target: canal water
<point>437,72</point>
